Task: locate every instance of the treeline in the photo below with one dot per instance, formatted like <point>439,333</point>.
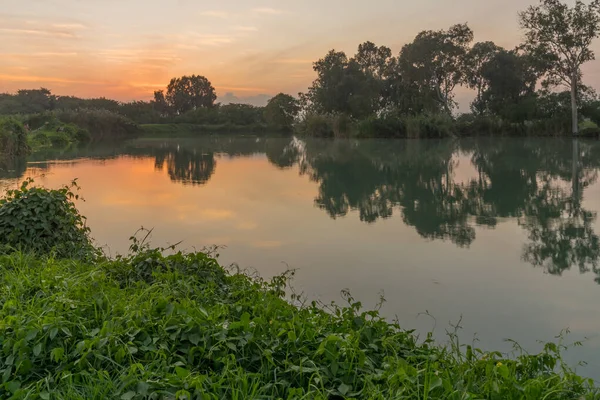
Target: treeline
<point>187,101</point>
<point>375,93</point>
<point>412,94</point>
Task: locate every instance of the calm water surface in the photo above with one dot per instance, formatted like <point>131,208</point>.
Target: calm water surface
<point>502,233</point>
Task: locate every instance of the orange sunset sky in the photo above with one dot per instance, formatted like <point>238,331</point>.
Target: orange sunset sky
<point>126,49</point>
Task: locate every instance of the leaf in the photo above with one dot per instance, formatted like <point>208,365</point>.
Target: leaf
<point>142,388</point>
<point>31,335</point>
<point>37,349</point>
<point>53,333</point>
<point>57,354</point>
<point>232,346</point>
<point>436,382</point>
<point>45,396</point>
<point>344,389</point>
<point>182,373</point>
<point>13,386</point>
<point>128,396</point>
<point>194,339</point>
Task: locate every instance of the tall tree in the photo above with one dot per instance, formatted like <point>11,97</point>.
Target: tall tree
<point>509,81</point>
<point>281,111</point>
<point>160,103</point>
<point>376,63</point>
<point>189,93</point>
<point>562,36</point>
<point>341,87</point>
<point>36,100</point>
<point>475,61</point>
<point>434,62</point>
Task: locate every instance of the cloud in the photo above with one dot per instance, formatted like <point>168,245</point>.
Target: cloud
<point>267,10</point>
<point>74,26</point>
<point>293,61</point>
<point>245,28</point>
<point>32,78</point>
<point>44,54</point>
<point>215,14</point>
<point>39,32</point>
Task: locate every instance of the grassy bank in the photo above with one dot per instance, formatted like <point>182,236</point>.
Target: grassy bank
<point>178,130</point>
<point>76,324</point>
<point>425,126</point>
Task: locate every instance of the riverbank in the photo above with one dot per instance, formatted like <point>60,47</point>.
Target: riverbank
<point>184,130</point>
<point>182,327</point>
<point>77,324</point>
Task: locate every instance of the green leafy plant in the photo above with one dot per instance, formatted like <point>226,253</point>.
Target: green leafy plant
<point>43,221</point>
<point>13,138</point>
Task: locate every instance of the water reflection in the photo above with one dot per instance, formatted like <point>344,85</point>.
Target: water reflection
<point>541,184</point>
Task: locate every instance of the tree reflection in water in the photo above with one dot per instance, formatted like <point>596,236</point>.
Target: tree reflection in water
<point>540,183</point>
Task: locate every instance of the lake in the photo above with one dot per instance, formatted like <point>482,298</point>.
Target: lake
<point>499,232</point>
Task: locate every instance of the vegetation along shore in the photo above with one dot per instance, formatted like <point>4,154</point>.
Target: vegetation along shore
<point>536,88</point>
<point>165,324</point>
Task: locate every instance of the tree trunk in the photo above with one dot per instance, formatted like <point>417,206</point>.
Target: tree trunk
<point>575,121</point>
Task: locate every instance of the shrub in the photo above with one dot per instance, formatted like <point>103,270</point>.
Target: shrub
<point>429,126</point>
<point>101,124</point>
<point>326,125</point>
<point>43,221</point>
<point>13,138</point>
<point>388,125</point>
<point>149,326</point>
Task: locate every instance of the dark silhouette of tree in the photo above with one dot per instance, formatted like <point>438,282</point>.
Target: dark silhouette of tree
<point>281,111</point>
<point>475,61</point>
<point>561,36</point>
<point>189,93</point>
<point>341,87</point>
<point>434,61</point>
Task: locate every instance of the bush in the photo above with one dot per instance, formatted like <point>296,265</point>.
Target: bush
<point>326,125</point>
<point>388,125</point>
<point>101,124</point>
<point>429,126</point>
<point>149,326</point>
<point>13,138</point>
<point>43,221</point>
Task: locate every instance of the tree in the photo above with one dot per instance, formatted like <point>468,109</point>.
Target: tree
<point>376,63</point>
<point>36,100</point>
<point>189,93</point>
<point>341,87</point>
<point>561,36</point>
<point>509,80</point>
<point>160,103</point>
<point>475,61</point>
<point>434,62</point>
<point>282,110</point>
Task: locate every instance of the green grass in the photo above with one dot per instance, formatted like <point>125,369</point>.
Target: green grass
<point>180,326</point>
<point>149,326</point>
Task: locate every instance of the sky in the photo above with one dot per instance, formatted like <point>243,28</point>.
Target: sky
<point>127,49</point>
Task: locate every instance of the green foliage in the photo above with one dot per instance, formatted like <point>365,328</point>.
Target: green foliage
<point>149,326</point>
<point>326,125</point>
<point>13,138</point>
<point>43,221</point>
<point>101,124</point>
<point>434,62</point>
<point>45,130</point>
<point>186,93</point>
<point>281,111</point>
<point>342,87</point>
